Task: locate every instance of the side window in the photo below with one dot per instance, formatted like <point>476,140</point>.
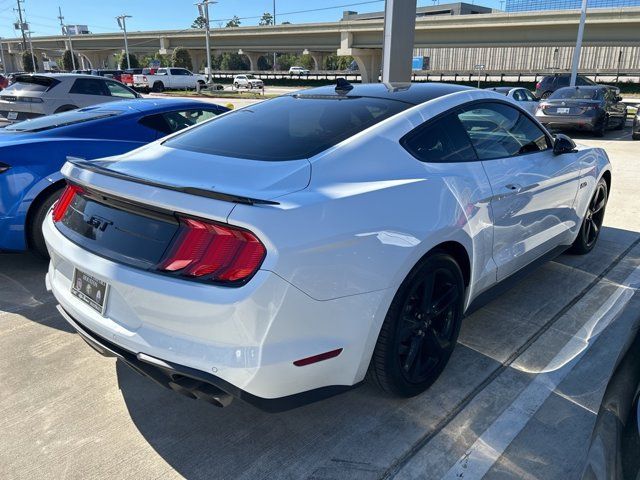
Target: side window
<point>581,81</point>
<point>519,96</point>
<point>179,71</point>
<point>117,90</point>
<point>497,130</point>
<point>440,140</point>
<point>529,97</point>
<point>161,71</point>
<point>89,86</point>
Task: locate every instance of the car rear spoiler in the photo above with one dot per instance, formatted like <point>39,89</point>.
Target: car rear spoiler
<point>199,192</point>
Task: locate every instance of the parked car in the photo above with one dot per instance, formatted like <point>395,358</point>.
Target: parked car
<point>33,151</point>
<point>524,97</point>
<point>592,108</point>
<point>270,277</point>
<point>32,96</point>
<point>551,83</point>
<point>615,441</point>
<point>12,76</point>
<point>247,81</point>
<point>635,129</point>
<point>168,78</point>
<point>298,71</point>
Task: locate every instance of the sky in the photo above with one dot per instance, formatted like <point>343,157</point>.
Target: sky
<point>100,15</point>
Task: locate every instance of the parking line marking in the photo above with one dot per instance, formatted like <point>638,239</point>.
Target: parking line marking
<point>488,448</point>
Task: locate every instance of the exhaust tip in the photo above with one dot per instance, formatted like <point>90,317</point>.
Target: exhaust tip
<point>198,390</point>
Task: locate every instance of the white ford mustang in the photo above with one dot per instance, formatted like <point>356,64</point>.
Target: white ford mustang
<point>278,253</point>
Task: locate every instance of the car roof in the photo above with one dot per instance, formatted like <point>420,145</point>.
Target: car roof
<point>152,104</point>
<point>413,93</point>
<point>504,90</point>
<point>585,87</point>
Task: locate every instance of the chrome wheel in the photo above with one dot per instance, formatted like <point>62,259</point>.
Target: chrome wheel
<point>595,215</point>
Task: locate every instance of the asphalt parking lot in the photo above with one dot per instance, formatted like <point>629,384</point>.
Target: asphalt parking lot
<point>518,399</point>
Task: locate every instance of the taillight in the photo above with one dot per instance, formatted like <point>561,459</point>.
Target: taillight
<point>538,86</point>
<point>64,201</point>
<point>213,251</point>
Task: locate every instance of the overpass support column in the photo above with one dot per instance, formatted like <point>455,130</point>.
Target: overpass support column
<point>253,60</point>
<point>368,59</point>
<point>318,60</point>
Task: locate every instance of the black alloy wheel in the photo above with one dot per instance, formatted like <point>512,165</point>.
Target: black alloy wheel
<point>421,327</point>
<point>593,219</point>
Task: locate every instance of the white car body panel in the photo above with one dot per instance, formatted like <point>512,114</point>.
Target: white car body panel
<point>349,225</point>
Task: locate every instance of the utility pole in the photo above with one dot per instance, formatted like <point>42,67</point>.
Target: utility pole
<point>576,52</point>
<point>65,31</point>
<point>203,10</point>
<point>274,24</point>
<point>122,23</point>
<point>24,36</point>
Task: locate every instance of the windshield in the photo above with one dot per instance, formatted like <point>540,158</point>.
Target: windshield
<point>251,76</point>
<point>286,128</point>
<point>576,93</point>
<point>58,120</point>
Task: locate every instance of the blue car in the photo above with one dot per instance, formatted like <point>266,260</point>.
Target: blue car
<point>32,153</point>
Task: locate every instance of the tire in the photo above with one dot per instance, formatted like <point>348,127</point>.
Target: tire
<point>592,221</point>
<point>35,238</point>
<point>545,95</point>
<point>158,87</point>
<point>601,129</point>
<point>236,85</point>
<point>65,108</point>
<point>635,136</point>
<point>415,342</point>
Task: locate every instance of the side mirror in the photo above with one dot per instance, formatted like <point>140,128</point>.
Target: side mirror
<point>563,144</point>
<point>618,98</point>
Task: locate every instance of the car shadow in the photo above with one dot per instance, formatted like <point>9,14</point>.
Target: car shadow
<point>360,433</point>
<point>623,135</point>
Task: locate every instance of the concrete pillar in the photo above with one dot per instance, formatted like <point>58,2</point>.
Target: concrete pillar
<point>197,59</point>
<point>399,32</point>
<point>164,46</point>
<point>318,60</point>
<point>253,59</point>
<point>368,59</point>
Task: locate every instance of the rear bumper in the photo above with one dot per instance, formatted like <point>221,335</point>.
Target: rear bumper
<point>241,340</point>
<point>194,383</point>
<point>563,122</point>
<point>4,115</point>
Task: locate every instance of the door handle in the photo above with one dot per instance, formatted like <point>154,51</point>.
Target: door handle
<point>515,187</point>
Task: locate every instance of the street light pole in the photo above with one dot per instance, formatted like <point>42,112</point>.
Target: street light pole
<point>122,22</point>
<point>203,9</point>
<point>576,53</point>
<point>33,58</point>
<point>274,24</point>
<point>65,31</point>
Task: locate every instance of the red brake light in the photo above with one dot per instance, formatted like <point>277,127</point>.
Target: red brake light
<point>215,251</point>
<point>538,85</point>
<point>64,201</point>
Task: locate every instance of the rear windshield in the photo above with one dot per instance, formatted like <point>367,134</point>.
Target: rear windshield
<point>27,83</point>
<point>58,120</point>
<point>286,128</point>
<point>572,93</point>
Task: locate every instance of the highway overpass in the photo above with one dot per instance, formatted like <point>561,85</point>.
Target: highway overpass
<point>507,41</point>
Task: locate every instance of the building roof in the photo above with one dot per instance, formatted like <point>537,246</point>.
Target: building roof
<point>458,8</point>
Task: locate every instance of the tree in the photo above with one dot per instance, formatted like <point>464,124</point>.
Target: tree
<point>233,61</point>
<point>121,60</point>
<point>165,60</point>
<point>28,61</point>
<point>67,64</point>
<point>334,62</point>
<point>264,62</point>
<point>285,23</point>
<point>199,22</point>
<point>267,19</point>
<point>234,22</point>
<point>181,58</point>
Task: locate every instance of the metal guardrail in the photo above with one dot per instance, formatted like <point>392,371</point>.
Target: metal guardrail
<point>462,75</point>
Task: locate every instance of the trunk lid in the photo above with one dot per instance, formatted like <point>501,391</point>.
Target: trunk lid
<point>200,172</point>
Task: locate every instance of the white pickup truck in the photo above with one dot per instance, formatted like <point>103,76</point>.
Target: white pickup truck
<point>168,79</point>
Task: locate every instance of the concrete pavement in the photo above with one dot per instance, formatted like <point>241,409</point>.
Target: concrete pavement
<point>517,400</point>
